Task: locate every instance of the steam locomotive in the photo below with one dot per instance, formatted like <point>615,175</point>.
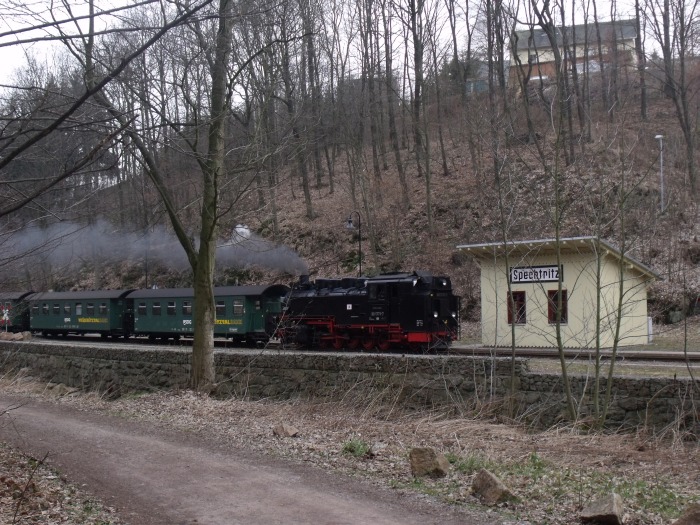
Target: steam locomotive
<point>392,311</point>
<point>399,310</point>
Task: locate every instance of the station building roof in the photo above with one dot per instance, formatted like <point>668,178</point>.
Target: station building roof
<point>566,245</point>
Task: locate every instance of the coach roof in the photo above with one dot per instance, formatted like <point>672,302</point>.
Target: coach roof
<point>250,290</point>
<point>79,295</point>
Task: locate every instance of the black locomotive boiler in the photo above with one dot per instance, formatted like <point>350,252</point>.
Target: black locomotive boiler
<point>414,311</point>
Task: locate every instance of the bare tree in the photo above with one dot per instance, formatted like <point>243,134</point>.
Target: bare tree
<point>18,139</point>
<point>674,25</point>
<point>210,160</point>
<point>392,100</point>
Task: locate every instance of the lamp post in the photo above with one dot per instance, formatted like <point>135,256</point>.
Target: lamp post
<point>660,138</point>
<point>351,226</point>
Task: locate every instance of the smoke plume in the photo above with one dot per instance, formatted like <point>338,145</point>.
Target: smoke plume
<point>68,244</point>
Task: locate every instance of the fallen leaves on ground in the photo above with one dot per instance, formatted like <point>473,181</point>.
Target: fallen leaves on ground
<point>553,473</point>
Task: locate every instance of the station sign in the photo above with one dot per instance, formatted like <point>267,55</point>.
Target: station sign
<point>536,274</point>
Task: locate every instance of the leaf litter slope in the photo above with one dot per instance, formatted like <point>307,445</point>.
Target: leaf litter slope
<point>553,473</point>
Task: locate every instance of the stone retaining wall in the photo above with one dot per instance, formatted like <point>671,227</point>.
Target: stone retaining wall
<point>659,403</point>
<point>459,383</point>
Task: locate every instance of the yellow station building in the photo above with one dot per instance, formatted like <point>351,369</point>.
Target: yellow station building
<point>599,285</point>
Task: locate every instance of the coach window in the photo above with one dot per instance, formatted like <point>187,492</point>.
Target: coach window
<point>35,309</point>
<point>66,308</point>
<point>78,308</point>
<point>553,300</point>
<point>238,307</point>
<point>186,308</point>
<point>103,308</point>
<point>257,304</point>
<point>142,310</point>
<point>90,309</point>
<point>220,309</point>
<point>171,308</point>
<point>155,309</point>
<point>56,309</point>
<point>516,308</point>
<point>45,308</point>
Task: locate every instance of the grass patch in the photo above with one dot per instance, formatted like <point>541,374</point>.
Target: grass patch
<point>357,448</point>
<point>470,464</point>
<point>535,479</point>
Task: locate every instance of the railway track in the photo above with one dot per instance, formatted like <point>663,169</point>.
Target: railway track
<point>624,355</point>
<point>635,354</point>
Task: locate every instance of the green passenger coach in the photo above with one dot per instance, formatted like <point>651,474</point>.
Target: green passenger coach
<point>163,313</point>
<point>104,312</point>
<point>246,313</point>
<point>243,313</point>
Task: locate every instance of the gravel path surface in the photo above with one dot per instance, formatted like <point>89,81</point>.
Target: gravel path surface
<point>154,476</point>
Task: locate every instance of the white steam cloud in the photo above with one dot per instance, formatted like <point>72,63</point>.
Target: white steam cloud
<point>68,243</point>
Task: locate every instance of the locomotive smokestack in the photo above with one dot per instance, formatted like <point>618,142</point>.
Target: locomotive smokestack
<point>303,279</point>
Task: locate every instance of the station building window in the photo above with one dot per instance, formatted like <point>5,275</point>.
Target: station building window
<point>517,312</point>
<point>552,303</point>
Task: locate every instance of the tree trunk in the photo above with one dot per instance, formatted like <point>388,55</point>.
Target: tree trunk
<point>391,111</point>
<point>203,373</point>
<point>641,65</point>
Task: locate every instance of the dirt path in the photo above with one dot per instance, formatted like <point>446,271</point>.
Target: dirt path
<point>158,477</point>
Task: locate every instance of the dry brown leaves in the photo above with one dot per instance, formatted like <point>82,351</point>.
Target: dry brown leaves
<point>553,473</point>
<point>31,493</point>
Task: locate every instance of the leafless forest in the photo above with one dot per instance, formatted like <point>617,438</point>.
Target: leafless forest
<point>191,143</point>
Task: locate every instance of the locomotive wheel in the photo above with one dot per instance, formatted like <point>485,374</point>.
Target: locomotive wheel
<point>354,343</point>
<point>368,344</point>
<point>384,345</point>
<point>338,344</point>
